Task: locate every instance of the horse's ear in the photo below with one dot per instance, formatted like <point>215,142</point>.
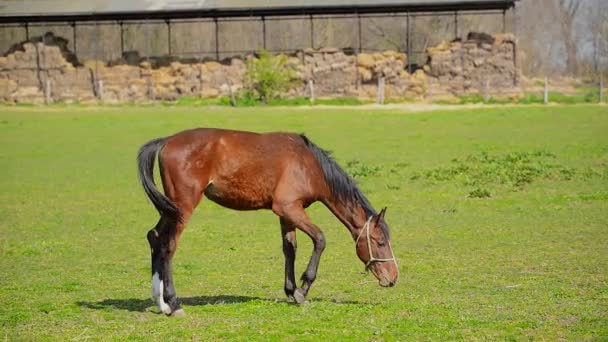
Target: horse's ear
<point>382,213</point>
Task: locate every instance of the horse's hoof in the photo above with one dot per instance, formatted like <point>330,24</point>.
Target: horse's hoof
<point>178,313</point>
<point>299,296</point>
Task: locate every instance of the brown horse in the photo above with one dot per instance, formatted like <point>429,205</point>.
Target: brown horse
<point>283,172</point>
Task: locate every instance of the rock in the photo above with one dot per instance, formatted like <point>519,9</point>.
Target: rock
<point>341,65</point>
<point>502,38</point>
<point>213,66</point>
<point>7,88</point>
<point>364,74</point>
<point>462,70</point>
<point>480,38</point>
<point>420,75</point>
<point>28,94</point>
<point>441,47</point>
<point>329,50</point>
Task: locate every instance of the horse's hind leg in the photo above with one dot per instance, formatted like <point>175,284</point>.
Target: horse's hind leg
<point>157,238</point>
<point>288,234</point>
<point>164,240</point>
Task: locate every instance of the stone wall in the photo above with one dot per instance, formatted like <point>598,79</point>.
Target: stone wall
<point>36,72</point>
<point>462,67</point>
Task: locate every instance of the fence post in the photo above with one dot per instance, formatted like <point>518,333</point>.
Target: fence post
<point>100,89</point>
<point>311,88</point>
<point>486,91</point>
<point>232,96</point>
<point>601,88</point>
<point>546,95</point>
<point>47,90</point>
<point>380,94</point>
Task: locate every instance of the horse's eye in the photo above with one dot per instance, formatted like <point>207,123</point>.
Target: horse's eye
<point>381,243</point>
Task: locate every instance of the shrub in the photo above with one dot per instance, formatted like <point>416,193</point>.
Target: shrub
<point>268,76</point>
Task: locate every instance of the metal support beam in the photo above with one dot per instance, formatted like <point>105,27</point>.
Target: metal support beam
<point>168,21</point>
<point>27,30</point>
<point>359,43</point>
<point>312,33</point>
<point>390,7</point>
<point>217,40</point>
<point>408,43</point>
<point>455,24</point>
<point>264,32</point>
<point>73,24</point>
<point>122,38</point>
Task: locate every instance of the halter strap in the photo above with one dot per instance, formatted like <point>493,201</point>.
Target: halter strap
<point>373,259</point>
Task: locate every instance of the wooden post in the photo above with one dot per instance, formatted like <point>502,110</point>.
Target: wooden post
<point>100,89</point>
<point>311,88</point>
<point>546,94</point>
<point>150,89</point>
<point>47,90</point>
<point>200,76</point>
<point>601,88</point>
<point>232,96</point>
<point>380,93</point>
<point>486,91</point>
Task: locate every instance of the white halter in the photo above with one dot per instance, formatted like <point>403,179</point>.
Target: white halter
<point>373,259</point>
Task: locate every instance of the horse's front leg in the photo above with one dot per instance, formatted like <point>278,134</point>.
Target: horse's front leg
<point>288,234</point>
<point>299,218</point>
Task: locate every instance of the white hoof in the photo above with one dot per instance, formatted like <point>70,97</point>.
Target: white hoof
<point>157,294</point>
<point>299,296</point>
<point>164,308</point>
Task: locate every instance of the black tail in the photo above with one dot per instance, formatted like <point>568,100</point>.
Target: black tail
<point>145,163</point>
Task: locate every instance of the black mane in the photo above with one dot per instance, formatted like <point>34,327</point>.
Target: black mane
<point>340,184</point>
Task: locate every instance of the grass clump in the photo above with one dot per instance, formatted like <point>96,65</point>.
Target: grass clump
<point>480,193</point>
<point>515,169</point>
<point>356,169</point>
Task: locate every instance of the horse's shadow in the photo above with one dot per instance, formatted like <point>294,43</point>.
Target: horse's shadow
<point>141,305</point>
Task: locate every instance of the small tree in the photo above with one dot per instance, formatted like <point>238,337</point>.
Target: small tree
<point>268,76</point>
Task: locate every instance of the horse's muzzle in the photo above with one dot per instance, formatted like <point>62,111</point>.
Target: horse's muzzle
<point>386,283</point>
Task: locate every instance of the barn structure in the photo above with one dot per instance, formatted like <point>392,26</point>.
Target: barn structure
<point>162,32</point>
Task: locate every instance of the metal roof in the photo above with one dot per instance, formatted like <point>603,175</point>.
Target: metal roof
<point>70,10</point>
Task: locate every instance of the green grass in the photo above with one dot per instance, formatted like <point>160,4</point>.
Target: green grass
<point>584,96</point>
<point>527,262</point>
<point>244,101</point>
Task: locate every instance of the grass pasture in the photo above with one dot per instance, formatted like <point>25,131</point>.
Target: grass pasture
<point>499,219</point>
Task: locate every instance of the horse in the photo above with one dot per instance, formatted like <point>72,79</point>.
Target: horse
<point>282,172</point>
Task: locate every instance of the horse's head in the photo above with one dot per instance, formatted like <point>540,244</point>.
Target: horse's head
<point>374,249</point>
